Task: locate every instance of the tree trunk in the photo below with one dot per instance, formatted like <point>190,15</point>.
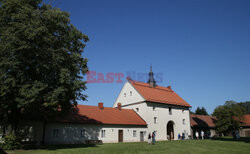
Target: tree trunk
<point>44,129</point>
<point>4,131</point>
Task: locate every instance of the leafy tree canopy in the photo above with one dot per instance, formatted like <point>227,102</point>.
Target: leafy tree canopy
<point>201,111</point>
<point>191,112</point>
<point>228,116</point>
<point>246,106</point>
<point>41,62</point>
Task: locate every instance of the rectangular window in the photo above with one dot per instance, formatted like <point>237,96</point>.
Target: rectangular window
<point>103,133</point>
<point>155,120</point>
<point>153,108</point>
<point>55,132</point>
<point>170,111</point>
<point>137,109</point>
<point>183,121</point>
<point>134,133</point>
<point>130,93</point>
<point>83,132</point>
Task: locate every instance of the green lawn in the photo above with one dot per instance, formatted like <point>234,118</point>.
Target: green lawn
<point>226,146</point>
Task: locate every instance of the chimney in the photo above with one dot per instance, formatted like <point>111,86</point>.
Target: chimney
<point>169,87</point>
<point>100,105</point>
<point>119,106</point>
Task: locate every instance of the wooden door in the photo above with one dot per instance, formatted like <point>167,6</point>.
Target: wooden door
<point>120,136</point>
<point>141,136</point>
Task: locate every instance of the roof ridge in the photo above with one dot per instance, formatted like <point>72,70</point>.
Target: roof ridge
<point>157,87</point>
<point>200,115</point>
<point>104,107</point>
<point>158,94</point>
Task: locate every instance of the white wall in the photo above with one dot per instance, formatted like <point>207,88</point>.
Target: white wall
<point>125,100</point>
<point>163,117</point>
<point>70,133</point>
<point>142,109</point>
<point>145,110</point>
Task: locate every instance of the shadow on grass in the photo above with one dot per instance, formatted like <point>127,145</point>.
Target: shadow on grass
<point>61,146</point>
<point>2,151</point>
<point>242,139</point>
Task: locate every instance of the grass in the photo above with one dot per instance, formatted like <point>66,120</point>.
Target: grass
<point>225,145</point>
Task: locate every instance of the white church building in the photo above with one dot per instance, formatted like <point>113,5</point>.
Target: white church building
<point>140,109</point>
<point>165,112</point>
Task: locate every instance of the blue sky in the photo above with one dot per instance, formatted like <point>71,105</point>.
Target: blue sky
<point>201,47</point>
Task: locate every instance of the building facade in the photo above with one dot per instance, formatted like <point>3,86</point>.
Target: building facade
<point>165,112</point>
<point>139,110</point>
<point>203,123</point>
<point>88,124</point>
<point>245,126</point>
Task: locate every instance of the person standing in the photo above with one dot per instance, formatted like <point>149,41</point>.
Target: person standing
<point>183,136</point>
<point>202,135</point>
<point>153,138</point>
<point>209,134</point>
<point>197,135</point>
<point>179,136</point>
<point>149,138</point>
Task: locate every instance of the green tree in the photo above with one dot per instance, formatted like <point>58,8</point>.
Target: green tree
<point>201,111</point>
<point>228,117</point>
<point>246,106</point>
<point>41,62</point>
<point>191,112</point>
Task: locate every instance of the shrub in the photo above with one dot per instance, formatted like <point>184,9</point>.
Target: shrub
<point>10,142</point>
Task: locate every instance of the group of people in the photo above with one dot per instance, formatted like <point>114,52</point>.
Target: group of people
<point>236,134</point>
<point>151,139</point>
<point>181,137</point>
<point>197,135</point>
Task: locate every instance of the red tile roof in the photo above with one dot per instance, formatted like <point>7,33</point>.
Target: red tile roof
<point>94,115</point>
<point>209,121</point>
<point>202,120</point>
<point>246,121</point>
<point>158,94</point>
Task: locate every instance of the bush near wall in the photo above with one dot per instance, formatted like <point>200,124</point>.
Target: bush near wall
<point>10,142</point>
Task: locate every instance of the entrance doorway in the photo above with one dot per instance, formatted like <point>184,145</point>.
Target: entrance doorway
<point>142,136</point>
<point>120,135</point>
<point>170,130</point>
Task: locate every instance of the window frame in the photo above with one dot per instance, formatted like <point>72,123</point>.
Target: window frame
<point>103,133</point>
<point>134,133</point>
<point>155,120</point>
<point>170,111</point>
<point>184,121</point>
<point>55,132</point>
<point>83,133</point>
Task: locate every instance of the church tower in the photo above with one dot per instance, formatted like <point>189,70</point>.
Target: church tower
<point>151,79</point>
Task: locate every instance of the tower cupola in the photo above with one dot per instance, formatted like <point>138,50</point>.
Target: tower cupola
<point>151,79</point>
